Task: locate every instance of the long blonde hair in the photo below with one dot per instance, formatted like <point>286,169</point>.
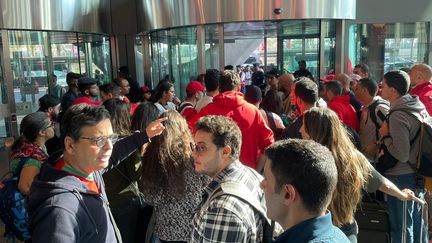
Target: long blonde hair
<point>324,127</point>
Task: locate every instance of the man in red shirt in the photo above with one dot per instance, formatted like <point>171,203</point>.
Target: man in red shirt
<point>340,104</point>
<point>421,85</point>
<point>194,91</point>
<point>256,135</point>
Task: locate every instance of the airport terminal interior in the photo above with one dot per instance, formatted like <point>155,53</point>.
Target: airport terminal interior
<point>183,38</point>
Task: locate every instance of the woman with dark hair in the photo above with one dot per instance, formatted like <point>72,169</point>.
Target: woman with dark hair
<point>121,182</point>
<point>163,96</point>
<point>354,170</point>
<point>169,181</point>
<point>273,102</point>
<point>35,129</point>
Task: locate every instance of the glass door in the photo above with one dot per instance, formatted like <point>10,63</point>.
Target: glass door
<point>299,40</point>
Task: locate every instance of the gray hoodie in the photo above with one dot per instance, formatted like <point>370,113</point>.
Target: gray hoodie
<point>402,129</point>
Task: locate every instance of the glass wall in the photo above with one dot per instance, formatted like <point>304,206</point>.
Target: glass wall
<point>36,55</point>
<point>329,34</point>
<point>4,115</point>
<point>385,47</point>
<point>211,46</point>
<point>300,41</point>
<point>174,56</point>
<point>272,44</point>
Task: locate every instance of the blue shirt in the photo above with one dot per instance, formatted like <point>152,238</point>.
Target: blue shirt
<point>319,229</point>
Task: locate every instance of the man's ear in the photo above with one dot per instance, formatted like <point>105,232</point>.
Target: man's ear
<point>226,151</point>
<point>290,194</point>
<point>69,144</point>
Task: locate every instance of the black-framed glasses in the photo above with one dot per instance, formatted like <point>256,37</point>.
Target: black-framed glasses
<point>102,140</point>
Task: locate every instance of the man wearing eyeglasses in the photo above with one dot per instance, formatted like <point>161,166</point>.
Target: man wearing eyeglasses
<point>68,203</point>
<point>225,217</point>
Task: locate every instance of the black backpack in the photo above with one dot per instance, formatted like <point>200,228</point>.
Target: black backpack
<point>373,115</point>
<point>12,206</point>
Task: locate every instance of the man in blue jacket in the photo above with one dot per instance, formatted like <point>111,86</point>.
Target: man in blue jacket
<point>299,179</point>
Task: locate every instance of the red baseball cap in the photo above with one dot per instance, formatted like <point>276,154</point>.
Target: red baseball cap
<point>145,89</point>
<point>194,86</point>
<point>328,78</point>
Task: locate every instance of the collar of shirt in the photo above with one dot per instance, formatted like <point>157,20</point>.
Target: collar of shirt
<point>214,184</point>
<point>314,228</point>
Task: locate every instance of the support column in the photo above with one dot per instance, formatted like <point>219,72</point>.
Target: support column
<point>221,46</point>
<point>146,47</point>
<point>341,59</point>
<point>201,48</point>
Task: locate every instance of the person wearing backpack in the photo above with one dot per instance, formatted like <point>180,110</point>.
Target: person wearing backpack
<point>27,155</point>
<point>36,128</point>
<point>226,216</point>
<point>373,114</point>
<point>400,151</point>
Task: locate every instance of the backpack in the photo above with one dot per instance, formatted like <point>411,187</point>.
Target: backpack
<point>240,191</point>
<point>423,163</point>
<point>183,106</point>
<point>12,206</point>
<point>373,115</point>
<point>277,132</point>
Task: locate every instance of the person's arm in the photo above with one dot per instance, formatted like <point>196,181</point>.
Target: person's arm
<point>219,225</point>
<point>28,173</point>
<point>126,146</point>
<point>391,189</point>
<point>376,181</point>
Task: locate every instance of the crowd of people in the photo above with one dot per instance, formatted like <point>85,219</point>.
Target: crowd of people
<point>120,163</point>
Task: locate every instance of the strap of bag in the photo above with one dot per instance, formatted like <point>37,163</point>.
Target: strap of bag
<point>271,121</point>
<point>373,116</point>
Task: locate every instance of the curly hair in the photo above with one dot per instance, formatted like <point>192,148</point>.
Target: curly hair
<point>324,127</point>
<point>167,157</point>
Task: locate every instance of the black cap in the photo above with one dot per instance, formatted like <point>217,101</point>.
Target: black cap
<point>253,94</point>
<point>228,67</point>
<point>48,101</point>
<point>272,73</point>
<point>73,75</point>
<point>86,81</point>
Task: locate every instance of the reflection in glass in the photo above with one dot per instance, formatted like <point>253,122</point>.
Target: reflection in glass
<point>211,46</point>
<point>329,30</point>
<point>300,41</point>
<point>385,47</point>
<point>4,115</point>
<point>97,59</point>
<point>29,67</point>
<point>174,57</point>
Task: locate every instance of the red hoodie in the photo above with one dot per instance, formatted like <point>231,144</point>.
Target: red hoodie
<point>345,111</point>
<point>424,92</point>
<point>256,135</point>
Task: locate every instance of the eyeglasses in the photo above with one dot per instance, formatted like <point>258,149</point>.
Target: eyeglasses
<point>102,140</point>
